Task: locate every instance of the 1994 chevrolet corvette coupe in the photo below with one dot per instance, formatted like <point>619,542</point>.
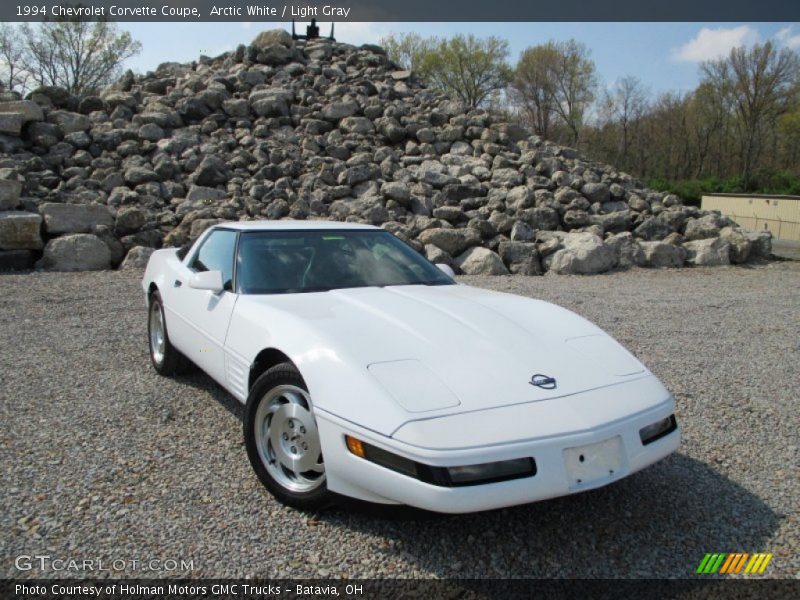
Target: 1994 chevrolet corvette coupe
<point>369,372</point>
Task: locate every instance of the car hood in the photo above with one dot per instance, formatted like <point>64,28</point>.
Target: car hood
<point>447,349</point>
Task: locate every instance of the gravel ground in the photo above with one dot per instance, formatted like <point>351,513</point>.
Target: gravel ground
<point>103,459</point>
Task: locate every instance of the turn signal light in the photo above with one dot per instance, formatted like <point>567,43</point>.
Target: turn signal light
<point>355,446</point>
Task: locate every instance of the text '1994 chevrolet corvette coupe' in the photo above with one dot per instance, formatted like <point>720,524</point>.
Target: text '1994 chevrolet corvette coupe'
<point>369,372</point>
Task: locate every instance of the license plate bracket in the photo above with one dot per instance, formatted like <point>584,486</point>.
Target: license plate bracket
<point>593,463</point>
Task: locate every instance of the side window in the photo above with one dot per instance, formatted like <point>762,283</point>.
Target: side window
<point>216,254</point>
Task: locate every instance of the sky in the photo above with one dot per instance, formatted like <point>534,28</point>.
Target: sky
<point>664,56</point>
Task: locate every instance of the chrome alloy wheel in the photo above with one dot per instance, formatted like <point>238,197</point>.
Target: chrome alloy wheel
<point>287,439</point>
<point>157,333</point>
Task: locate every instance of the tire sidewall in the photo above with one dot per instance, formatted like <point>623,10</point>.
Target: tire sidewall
<point>283,374</point>
<point>169,364</point>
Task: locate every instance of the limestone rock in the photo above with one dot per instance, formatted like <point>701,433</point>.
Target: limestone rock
<point>20,230</point>
<point>582,254</point>
<point>137,258</point>
<point>76,252</point>
<point>452,241</point>
<point>708,252</point>
<point>74,218</point>
<point>660,254</point>
<point>480,261</point>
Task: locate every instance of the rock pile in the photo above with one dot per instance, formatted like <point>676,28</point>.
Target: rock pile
<point>320,130</point>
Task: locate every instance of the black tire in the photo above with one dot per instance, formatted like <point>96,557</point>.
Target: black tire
<point>167,361</point>
<point>282,377</point>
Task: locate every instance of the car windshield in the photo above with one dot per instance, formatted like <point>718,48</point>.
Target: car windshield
<point>285,262</point>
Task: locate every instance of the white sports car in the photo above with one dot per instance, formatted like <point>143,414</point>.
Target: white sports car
<point>369,372</point>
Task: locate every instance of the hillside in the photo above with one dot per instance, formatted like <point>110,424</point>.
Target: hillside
<point>320,130</point>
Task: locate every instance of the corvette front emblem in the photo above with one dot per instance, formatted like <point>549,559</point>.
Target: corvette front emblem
<point>544,381</point>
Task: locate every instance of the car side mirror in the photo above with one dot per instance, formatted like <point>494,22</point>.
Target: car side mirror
<point>207,280</point>
<point>446,269</point>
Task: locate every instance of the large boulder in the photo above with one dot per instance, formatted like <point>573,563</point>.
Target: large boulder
<point>662,254</point>
<point>337,111</point>
<point>582,254</point>
<point>740,245</point>
<point>596,192</point>
<point>480,261</point>
<point>130,219</point>
<point>74,218</point>
<point>10,124</point>
<point>521,258</point>
<point>20,230</point>
<point>709,252</point>
<point>137,258</point>
<point>358,125</point>
<point>705,227</point>
<point>613,222</point>
<point>273,37</point>
<point>628,251</point>
<point>397,191</point>
<point>27,110</point>
<point>69,122</point>
<point>77,252</point>
<point>211,171</point>
<point>437,256</point>
<point>760,244</point>
<point>10,189</point>
<point>452,241</point>
<point>542,217</point>
<point>653,228</point>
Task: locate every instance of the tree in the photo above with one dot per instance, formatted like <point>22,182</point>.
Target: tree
<point>575,83</point>
<point>408,49</point>
<point>532,88</point>
<point>758,82</point>
<point>12,54</point>
<point>77,55</point>
<point>555,79</point>
<point>468,68</point>
<point>624,106</point>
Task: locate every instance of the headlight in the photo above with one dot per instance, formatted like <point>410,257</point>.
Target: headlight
<point>492,472</point>
<point>657,430</point>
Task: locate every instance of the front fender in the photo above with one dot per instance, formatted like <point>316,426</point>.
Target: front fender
<point>337,382</point>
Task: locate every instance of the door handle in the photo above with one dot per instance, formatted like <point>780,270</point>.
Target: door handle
<point>178,283</point>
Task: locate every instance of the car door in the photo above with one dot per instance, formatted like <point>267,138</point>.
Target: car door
<point>203,316</point>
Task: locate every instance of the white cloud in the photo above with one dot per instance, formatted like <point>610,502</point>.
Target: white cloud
<point>788,38</point>
<point>709,44</point>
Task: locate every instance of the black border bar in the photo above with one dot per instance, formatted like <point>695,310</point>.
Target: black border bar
<point>706,587</point>
<point>406,10</point>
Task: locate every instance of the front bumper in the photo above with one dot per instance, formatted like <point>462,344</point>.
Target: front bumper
<point>356,477</point>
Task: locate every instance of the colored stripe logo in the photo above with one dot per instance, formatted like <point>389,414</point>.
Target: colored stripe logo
<point>734,562</point>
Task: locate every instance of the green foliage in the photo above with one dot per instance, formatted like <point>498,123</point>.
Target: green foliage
<point>408,49</point>
<point>468,68</point>
<point>80,56</point>
<point>762,182</point>
<point>555,81</point>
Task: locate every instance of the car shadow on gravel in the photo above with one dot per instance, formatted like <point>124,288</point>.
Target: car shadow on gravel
<point>192,376</point>
<point>659,522</point>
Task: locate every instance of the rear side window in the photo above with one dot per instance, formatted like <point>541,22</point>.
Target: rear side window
<point>216,254</point>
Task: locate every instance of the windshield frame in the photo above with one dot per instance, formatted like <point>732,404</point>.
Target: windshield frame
<point>243,234</point>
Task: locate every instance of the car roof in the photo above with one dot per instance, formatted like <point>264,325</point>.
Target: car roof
<point>289,225</point>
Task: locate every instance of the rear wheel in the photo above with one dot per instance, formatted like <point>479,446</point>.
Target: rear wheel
<point>282,440</point>
<point>165,358</point>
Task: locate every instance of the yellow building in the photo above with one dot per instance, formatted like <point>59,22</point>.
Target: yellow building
<point>778,214</point>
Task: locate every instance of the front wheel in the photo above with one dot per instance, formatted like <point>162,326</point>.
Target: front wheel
<point>164,356</point>
<point>282,441</point>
